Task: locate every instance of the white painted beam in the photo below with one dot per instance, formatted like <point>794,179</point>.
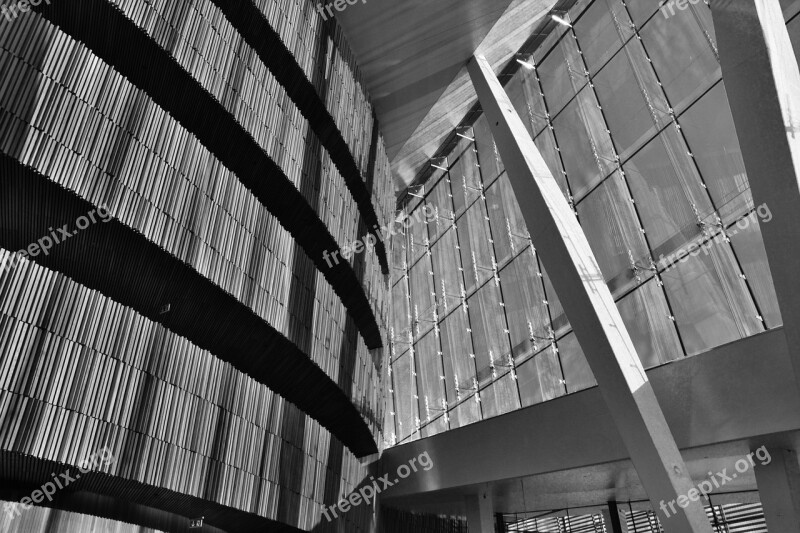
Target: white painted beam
<point>588,304</point>
<point>762,80</point>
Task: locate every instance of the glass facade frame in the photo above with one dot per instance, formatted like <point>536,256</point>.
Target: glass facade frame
<point>624,128</point>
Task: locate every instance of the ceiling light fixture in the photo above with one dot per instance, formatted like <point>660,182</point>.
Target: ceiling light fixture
<point>525,64</point>
<point>465,134</point>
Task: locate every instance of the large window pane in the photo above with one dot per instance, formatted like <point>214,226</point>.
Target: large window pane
<point>467,412</point>
<point>546,144</point>
<point>398,247</point>
<point>404,393</point>
<point>500,396</point>
<point>576,145</point>
<point>641,11</point>
<point>646,316</point>
<point>609,221</point>
<point>416,234</point>
<point>682,55</point>
<point>631,99</point>
<point>668,192</point>
<point>537,110</point>
<point>557,315</point>
<point>562,74</point>
<point>600,31</point>
<point>462,145</point>
<point>711,134</point>
<point>488,325</point>
<point>422,295</point>
<point>459,366</point>
<point>439,200</point>
<point>508,227</point>
<point>465,180</point>
<point>429,383</point>
<point>603,147</point>
<point>528,319</point>
<point>389,431</point>
<point>490,164</point>
<point>540,378</point>
<point>710,301</point>
<point>577,373</point>
<point>749,246</point>
<point>476,247</point>
<point>401,316</point>
<point>516,93</point>
<point>446,271</point>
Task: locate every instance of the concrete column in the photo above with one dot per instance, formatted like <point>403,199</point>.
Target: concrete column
<point>590,308</point>
<point>614,519</point>
<point>763,85</point>
<point>779,489</point>
<point>480,511</point>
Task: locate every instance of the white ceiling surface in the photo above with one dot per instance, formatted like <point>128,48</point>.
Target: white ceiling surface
<point>580,489</point>
<point>413,53</point>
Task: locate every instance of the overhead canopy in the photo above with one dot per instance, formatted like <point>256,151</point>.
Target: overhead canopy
<point>412,55</point>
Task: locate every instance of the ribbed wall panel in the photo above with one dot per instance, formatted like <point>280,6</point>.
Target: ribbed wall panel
<point>122,499</point>
<point>317,92</point>
<point>173,89</point>
<point>87,372</point>
<point>299,25</point>
<point>209,49</point>
<point>210,230</point>
<point>112,259</point>
<point>160,333</point>
<point>263,286</point>
<point>207,46</point>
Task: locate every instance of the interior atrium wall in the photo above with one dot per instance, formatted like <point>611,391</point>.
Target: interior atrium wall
<point>195,328</point>
<point>629,110</point>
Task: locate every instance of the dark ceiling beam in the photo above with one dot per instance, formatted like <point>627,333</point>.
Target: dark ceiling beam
<point>125,266</point>
<point>125,500</point>
<point>265,41</point>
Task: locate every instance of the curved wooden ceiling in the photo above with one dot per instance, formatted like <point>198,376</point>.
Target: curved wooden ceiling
<point>412,56</point>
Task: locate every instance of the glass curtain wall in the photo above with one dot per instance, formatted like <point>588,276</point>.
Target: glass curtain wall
<point>629,110</point>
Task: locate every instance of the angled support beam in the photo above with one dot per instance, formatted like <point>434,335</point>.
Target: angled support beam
<point>762,80</point>
<point>590,308</point>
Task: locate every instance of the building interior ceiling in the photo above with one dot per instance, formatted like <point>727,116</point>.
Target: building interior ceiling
<point>413,55</point>
<point>580,489</point>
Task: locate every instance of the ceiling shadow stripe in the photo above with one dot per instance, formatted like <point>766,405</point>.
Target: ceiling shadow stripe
<point>117,498</point>
<point>112,37</point>
<point>257,32</point>
<point>125,266</point>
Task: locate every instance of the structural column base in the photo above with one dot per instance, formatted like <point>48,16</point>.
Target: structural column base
<point>779,489</point>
